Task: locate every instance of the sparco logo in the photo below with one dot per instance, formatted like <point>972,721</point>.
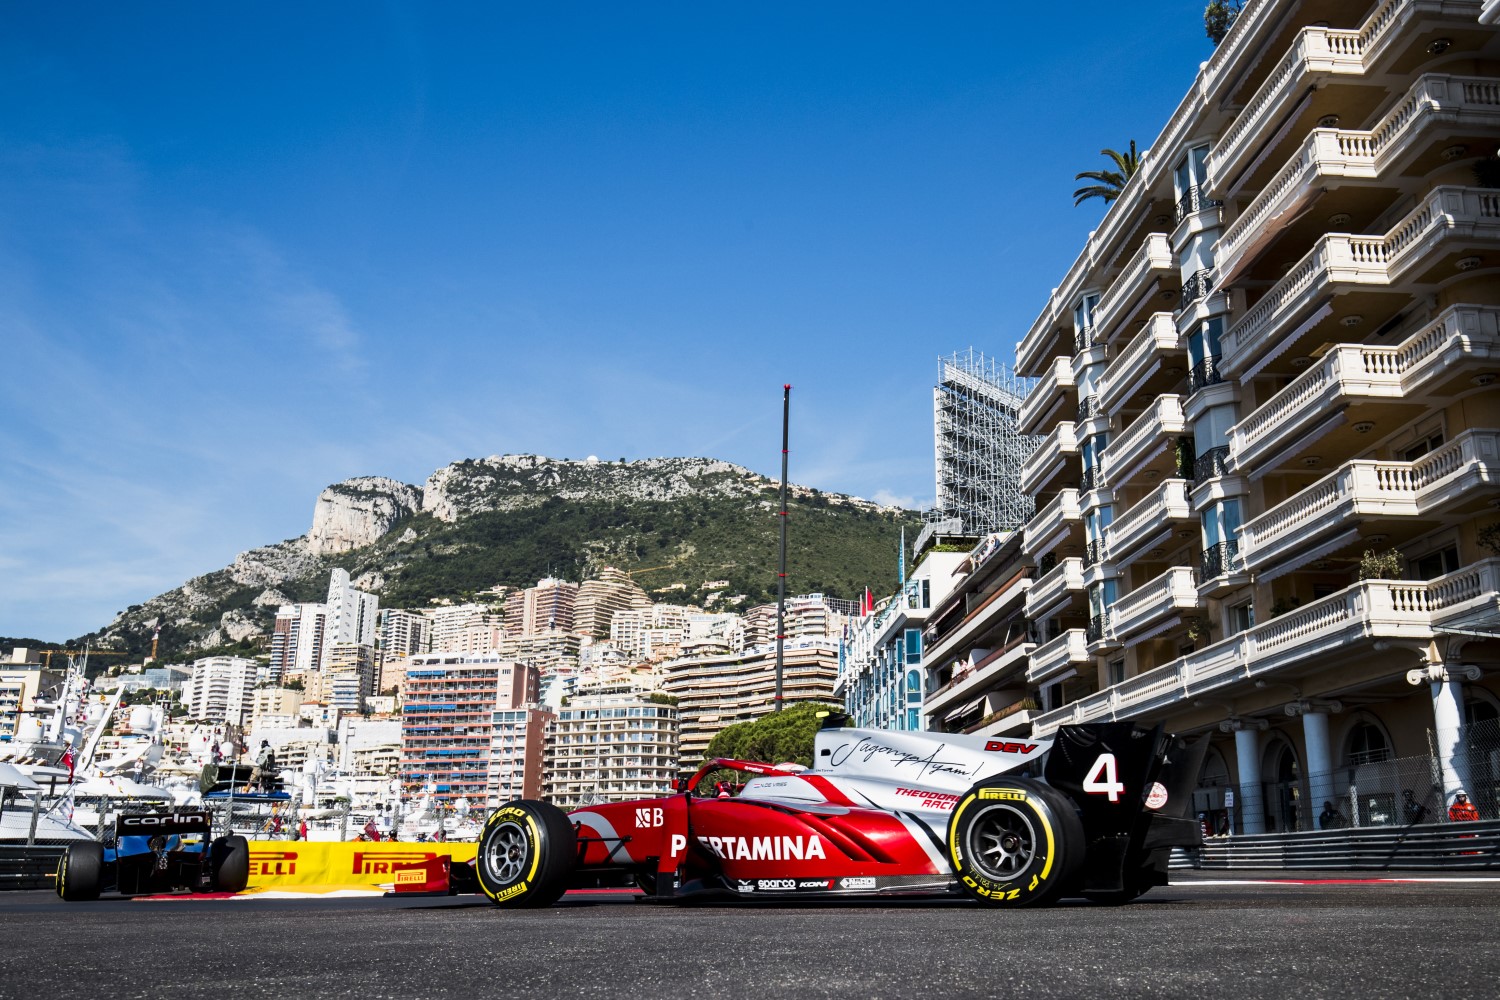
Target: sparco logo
<point>273,862</point>
<point>373,863</point>
<point>776,883</point>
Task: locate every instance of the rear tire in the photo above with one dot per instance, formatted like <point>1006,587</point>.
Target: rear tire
<point>80,871</point>
<point>527,853</point>
<point>1015,842</point>
<point>229,863</point>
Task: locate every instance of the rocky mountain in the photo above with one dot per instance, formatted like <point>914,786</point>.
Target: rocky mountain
<point>691,530</point>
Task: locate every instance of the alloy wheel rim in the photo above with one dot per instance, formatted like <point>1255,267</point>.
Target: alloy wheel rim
<point>1002,842</point>
<point>505,853</point>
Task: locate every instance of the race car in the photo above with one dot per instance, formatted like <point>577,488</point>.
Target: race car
<point>1092,812</point>
<point>157,852</point>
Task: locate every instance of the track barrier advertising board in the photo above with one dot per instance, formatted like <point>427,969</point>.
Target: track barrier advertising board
<point>301,864</point>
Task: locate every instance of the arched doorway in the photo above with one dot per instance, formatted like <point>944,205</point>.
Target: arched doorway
<point>1482,738</point>
<point>1281,774</point>
<point>1208,797</point>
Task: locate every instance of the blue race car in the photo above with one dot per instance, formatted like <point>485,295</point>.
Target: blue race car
<point>156,852</point>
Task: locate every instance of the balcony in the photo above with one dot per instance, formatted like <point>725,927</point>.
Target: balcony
<point>1204,374</point>
<point>1195,288</point>
<point>1052,524</point>
<point>1317,54</point>
<point>1348,622</point>
<point>1154,607</point>
<point>1058,658</point>
<point>1050,459</point>
<point>1149,523</point>
<point>1052,391</point>
<point>1328,156</point>
<point>1140,364</point>
<point>1323,518</point>
<point>1442,354</point>
<point>1466,216</point>
<point>1148,437</point>
<point>1211,464</point>
<point>1055,589</point>
<point>973,679</point>
<point>1152,265</point>
<point>1221,560</point>
<point>1194,201</point>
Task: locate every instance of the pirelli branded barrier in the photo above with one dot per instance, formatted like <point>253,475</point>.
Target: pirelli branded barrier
<point>309,865</point>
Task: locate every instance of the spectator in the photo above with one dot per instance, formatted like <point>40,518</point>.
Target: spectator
<point>1330,818</point>
<point>1462,810</point>
<point>302,830</point>
<point>266,762</point>
<point>1414,811</point>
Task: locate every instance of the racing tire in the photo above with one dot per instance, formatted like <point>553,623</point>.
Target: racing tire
<point>80,871</point>
<point>229,864</point>
<point>527,853</point>
<point>1015,842</point>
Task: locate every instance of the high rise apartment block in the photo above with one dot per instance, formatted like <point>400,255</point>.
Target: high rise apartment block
<point>547,607</point>
<point>351,613</point>
<point>297,639</point>
<point>1268,389</point>
<point>349,677</point>
<point>448,720</point>
<point>404,633</point>
<point>598,600</point>
<point>611,743</point>
<point>221,689</point>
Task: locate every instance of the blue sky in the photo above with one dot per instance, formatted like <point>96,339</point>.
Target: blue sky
<point>250,250</point>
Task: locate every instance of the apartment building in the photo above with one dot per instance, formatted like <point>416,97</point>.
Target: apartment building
<point>404,633</point>
<point>221,689</point>
<point>517,754</point>
<point>297,638</point>
<point>881,675</point>
<point>547,607</point>
<point>611,743</point>
<point>1268,389</point>
<point>349,677</point>
<point>21,683</point>
<point>352,614</point>
<point>448,717</point>
<point>598,599</point>
<point>715,690</point>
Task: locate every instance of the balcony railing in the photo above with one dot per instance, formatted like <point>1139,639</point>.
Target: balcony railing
<point>1365,489</point>
<point>1056,448</point>
<point>1361,614</point>
<point>1458,335</point>
<point>1154,259</point>
<point>1089,480</point>
<point>1083,338</point>
<point>1140,613</point>
<point>1093,552</point>
<point>1151,346</point>
<point>1212,463</point>
<point>1204,374</point>
<point>1467,214</point>
<point>1221,560</point>
<point>1088,407</point>
<point>1058,378</point>
<point>1194,201</point>
<point>1143,439</point>
<point>1053,658</point>
<point>1096,627</point>
<point>1044,526</point>
<point>1158,512</point>
<point>1055,588</point>
<point>1196,287</point>
<point>1318,51</point>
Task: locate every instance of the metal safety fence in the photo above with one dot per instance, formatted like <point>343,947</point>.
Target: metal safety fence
<point>1423,847</point>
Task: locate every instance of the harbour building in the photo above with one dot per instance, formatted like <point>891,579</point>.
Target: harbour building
<point>1267,491</point>
<point>613,742</point>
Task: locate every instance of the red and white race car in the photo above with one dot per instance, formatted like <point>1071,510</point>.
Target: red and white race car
<point>1092,812</point>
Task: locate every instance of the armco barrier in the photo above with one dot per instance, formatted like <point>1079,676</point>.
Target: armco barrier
<point>28,867</point>
<point>302,864</point>
<point>1430,847</point>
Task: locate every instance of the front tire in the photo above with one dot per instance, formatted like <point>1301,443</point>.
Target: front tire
<point>80,871</point>
<point>1015,842</point>
<point>229,861</point>
<point>526,854</point>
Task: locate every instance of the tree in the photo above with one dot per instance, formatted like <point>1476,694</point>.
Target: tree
<point>1218,18</point>
<point>1110,182</point>
<point>779,738</point>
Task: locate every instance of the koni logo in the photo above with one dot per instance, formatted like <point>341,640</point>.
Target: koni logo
<point>379,863</point>
<point>273,863</point>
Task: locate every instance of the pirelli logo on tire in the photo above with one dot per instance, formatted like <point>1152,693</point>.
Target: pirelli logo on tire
<point>511,893</point>
<point>1005,794</point>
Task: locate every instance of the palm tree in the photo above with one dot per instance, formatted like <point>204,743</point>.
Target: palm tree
<point>1110,181</point>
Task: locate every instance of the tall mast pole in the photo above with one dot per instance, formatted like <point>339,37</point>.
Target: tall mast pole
<point>786,413</point>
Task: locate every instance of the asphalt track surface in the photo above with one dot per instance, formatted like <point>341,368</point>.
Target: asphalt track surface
<point>1206,936</point>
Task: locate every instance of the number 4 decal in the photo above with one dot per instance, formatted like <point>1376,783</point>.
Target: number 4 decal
<point>1104,778</point>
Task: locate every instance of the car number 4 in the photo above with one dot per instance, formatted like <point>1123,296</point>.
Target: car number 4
<point>1104,778</point>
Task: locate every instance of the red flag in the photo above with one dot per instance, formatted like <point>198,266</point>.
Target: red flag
<point>67,758</point>
<point>372,831</point>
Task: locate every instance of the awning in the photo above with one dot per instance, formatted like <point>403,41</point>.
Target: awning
<point>959,713</point>
<point>1481,623</point>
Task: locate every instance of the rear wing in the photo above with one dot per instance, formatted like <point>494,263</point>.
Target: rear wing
<point>177,822</point>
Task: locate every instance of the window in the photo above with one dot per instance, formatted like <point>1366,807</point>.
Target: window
<point>1083,313</point>
<point>1203,343</point>
<point>913,645</point>
<point>1438,563</point>
<point>1431,442</point>
<point>1115,671</point>
<point>1241,617</point>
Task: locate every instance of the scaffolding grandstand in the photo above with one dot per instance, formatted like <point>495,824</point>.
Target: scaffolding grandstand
<point>979,447</point>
